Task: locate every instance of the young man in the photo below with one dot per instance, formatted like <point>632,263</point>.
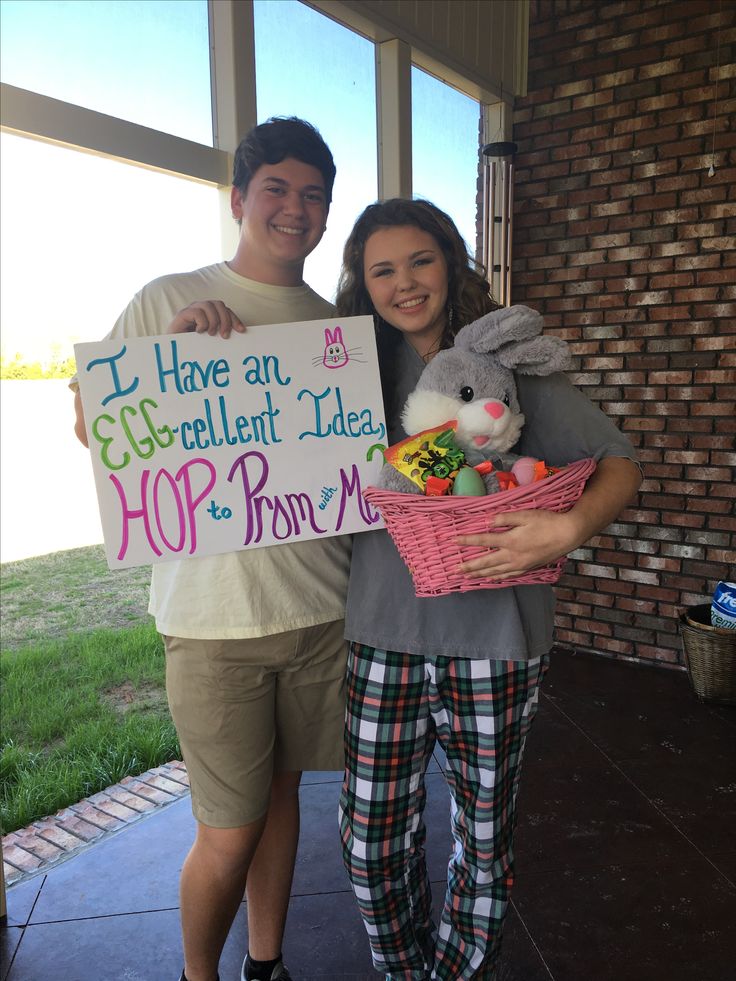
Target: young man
<point>255,657</point>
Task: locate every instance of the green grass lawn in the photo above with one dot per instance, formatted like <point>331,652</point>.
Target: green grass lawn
<point>82,702</point>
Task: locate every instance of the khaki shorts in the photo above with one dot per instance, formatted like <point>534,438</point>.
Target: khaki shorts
<point>245,709</point>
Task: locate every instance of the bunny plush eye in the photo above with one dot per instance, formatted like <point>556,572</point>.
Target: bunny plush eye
<point>506,399</point>
<point>466,393</point>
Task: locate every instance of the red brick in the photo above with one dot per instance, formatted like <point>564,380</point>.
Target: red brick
<point>616,110</point>
<point>115,809</point>
<point>700,230</point>
<point>640,121</point>
<point>659,102</point>
<point>691,84</point>
<point>719,244</point>
<point>661,32</point>
<point>579,87</point>
<point>683,46</point>
<point>680,148</point>
<point>19,858</point>
<point>95,817</point>
<point>68,821</point>
<point>12,874</point>
<point>571,151</point>
<point>42,848</point>
<point>62,839</point>
<point>630,252</point>
<point>674,248</point>
<point>654,169</point>
<point>148,793</point>
<point>588,196</point>
<point>615,79</point>
<point>689,114</point>
<point>594,99</point>
<point>602,162</point>
<point>661,265</point>
<point>702,127</point>
<point>132,801</point>
<point>713,343</point>
<point>176,771</point>
<point>552,108</point>
<point>698,294</point>
<point>657,69</point>
<point>164,783</point>
<point>622,207</point>
<point>710,261</point>
<point>678,182</point>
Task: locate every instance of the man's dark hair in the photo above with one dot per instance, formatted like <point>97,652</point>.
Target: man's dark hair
<point>275,140</point>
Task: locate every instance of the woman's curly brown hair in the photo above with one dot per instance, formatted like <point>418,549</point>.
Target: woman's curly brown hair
<point>468,291</point>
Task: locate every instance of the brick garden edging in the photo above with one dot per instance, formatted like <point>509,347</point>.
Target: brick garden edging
<point>30,851</point>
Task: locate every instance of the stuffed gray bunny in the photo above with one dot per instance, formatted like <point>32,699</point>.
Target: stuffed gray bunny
<point>473,383</point>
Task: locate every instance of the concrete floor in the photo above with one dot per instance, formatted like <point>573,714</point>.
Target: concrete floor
<point>626,857</point>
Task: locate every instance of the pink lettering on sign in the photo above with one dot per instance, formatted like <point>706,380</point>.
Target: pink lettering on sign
<point>350,488</point>
<point>284,515</point>
<point>180,488</point>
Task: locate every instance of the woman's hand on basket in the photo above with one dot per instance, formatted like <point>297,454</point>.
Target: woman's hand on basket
<point>530,539</point>
<point>537,537</point>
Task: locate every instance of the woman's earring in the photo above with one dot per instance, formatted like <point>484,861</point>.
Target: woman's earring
<point>450,316</point>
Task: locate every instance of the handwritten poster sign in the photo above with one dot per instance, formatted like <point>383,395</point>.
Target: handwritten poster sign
<point>202,445</point>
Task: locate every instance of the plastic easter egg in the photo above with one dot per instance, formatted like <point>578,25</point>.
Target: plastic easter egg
<point>468,483</point>
<point>523,470</point>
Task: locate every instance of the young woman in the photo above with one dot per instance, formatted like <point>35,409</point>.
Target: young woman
<point>464,669</point>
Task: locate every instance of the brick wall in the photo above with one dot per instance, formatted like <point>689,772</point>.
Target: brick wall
<point>628,247</point>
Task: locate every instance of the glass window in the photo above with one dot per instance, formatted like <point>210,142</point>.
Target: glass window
<point>81,234</point>
<point>309,66</point>
<point>445,150</point>
<point>146,61</point>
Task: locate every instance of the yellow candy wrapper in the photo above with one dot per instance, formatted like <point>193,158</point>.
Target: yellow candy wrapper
<point>431,453</point>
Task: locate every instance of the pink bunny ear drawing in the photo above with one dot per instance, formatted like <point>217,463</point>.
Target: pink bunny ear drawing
<point>335,355</point>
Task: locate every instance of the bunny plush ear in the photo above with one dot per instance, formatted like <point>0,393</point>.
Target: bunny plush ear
<point>496,329</point>
<point>539,356</point>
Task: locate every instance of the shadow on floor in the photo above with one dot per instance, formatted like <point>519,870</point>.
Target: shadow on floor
<point>626,857</point>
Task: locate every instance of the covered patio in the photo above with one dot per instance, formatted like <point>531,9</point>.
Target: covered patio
<point>626,857</point>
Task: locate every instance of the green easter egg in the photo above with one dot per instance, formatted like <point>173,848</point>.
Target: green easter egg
<point>468,483</point>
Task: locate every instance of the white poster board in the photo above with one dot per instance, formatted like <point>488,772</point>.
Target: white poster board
<point>202,445</point>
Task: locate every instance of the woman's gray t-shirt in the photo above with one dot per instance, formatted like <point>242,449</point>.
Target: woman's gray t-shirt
<point>511,623</point>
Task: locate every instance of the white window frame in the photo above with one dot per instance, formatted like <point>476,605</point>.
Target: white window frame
<point>233,83</point>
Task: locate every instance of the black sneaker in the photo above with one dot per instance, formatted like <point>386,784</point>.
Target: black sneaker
<point>279,973</point>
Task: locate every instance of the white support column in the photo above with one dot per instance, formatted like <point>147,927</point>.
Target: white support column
<point>498,122</point>
<point>393,105</point>
<point>233,80</point>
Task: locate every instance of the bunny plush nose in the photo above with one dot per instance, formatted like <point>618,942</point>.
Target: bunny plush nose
<point>494,409</point>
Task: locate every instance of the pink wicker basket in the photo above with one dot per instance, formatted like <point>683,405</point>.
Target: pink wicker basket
<point>424,529</point>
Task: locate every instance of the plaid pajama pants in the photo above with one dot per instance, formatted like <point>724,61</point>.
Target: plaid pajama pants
<point>481,712</point>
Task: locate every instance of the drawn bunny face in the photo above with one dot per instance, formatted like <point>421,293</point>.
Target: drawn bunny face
<point>336,354</point>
